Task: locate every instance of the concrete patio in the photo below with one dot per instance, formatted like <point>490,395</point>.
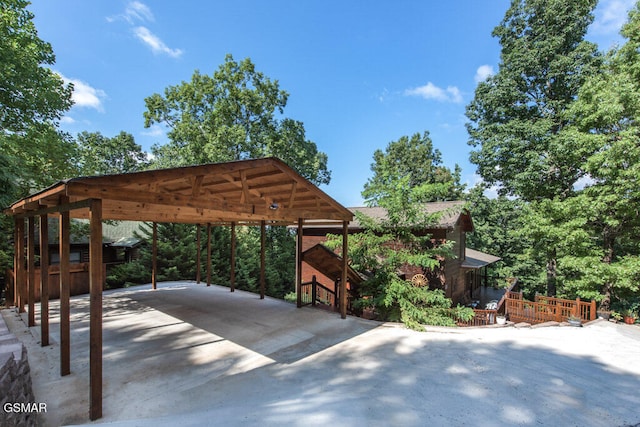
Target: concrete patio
<point>191,355</point>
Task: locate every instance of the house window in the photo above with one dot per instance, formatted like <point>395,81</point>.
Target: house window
<point>74,258</point>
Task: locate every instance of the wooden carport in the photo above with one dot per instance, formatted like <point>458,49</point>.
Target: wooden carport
<point>256,192</point>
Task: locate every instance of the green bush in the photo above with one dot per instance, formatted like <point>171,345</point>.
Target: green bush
<point>123,275</point>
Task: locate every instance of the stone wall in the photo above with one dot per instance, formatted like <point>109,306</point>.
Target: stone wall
<point>15,381</point>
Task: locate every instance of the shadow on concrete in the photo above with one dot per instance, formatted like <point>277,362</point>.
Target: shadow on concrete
<point>190,355</point>
<point>270,327</point>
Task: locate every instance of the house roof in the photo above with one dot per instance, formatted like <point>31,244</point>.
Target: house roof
<point>244,191</point>
<point>476,259</point>
<point>451,213</point>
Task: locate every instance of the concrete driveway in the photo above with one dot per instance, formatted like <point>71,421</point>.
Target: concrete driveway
<point>190,355</point>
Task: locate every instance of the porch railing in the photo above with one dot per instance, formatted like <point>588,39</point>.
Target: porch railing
<point>314,293</point>
<point>481,318</point>
<point>545,309</point>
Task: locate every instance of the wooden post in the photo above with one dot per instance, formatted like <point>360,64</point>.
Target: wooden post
<point>345,266</point>
<point>16,290</point>
<point>593,310</point>
<point>299,264</point>
<point>44,280</point>
<point>314,290</point>
<point>21,286</point>
<point>154,257</point>
<point>263,244</point>
<point>576,309</point>
<point>65,285</point>
<point>208,254</point>
<point>95,310</point>
<point>197,253</point>
<point>31,269</point>
<point>233,257</point>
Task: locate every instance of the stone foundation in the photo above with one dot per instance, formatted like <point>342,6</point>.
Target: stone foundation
<point>15,382</point>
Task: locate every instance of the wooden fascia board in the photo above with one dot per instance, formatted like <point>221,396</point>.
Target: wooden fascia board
<point>20,205</point>
<point>65,207</point>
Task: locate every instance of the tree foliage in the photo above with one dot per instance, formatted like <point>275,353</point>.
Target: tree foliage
<point>33,153</point>
<point>606,115</point>
<point>30,92</point>
<point>381,250</point>
<point>411,164</point>
<point>519,117</point>
<point>232,115</point>
<point>100,155</point>
<point>571,161</point>
<point>518,114</point>
<point>497,223</point>
<point>406,176</point>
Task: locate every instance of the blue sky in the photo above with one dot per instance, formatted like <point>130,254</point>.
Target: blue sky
<point>359,73</point>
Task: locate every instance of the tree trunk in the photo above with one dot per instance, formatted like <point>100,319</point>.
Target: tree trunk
<point>552,264</point>
<point>609,237</point>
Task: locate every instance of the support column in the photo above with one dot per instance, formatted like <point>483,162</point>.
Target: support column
<point>299,264</point>
<point>233,257</point>
<point>345,267</point>
<point>154,256</point>
<point>263,244</point>
<point>208,254</point>
<point>65,292</point>
<point>44,280</point>
<point>31,269</point>
<point>95,310</point>
<point>21,285</point>
<point>198,253</point>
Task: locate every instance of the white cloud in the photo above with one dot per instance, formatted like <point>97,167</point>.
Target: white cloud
<point>134,11</point>
<point>431,91</point>
<point>483,73</point>
<point>611,15</point>
<point>86,96</point>
<point>138,11</point>
<point>67,120</point>
<point>154,42</point>
<point>154,130</point>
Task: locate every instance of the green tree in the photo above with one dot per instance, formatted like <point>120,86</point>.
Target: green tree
<point>607,115</point>
<point>405,177</point>
<point>232,115</point>
<point>237,113</point>
<point>33,153</point>
<point>381,250</point>
<point>497,223</point>
<point>100,155</point>
<point>415,164</point>
<point>519,116</point>
<point>30,92</point>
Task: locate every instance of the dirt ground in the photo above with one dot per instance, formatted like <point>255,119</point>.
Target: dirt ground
<point>192,355</point>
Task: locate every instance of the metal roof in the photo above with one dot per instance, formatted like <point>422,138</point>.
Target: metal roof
<point>476,259</point>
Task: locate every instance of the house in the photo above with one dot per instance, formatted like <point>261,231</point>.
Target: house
<point>119,241</point>
<point>119,245</point>
<point>458,276</point>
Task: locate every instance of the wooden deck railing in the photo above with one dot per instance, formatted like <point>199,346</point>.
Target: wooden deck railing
<point>314,293</point>
<point>545,309</point>
<point>481,318</point>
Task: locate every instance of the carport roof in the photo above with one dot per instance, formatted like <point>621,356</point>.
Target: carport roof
<point>243,191</point>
